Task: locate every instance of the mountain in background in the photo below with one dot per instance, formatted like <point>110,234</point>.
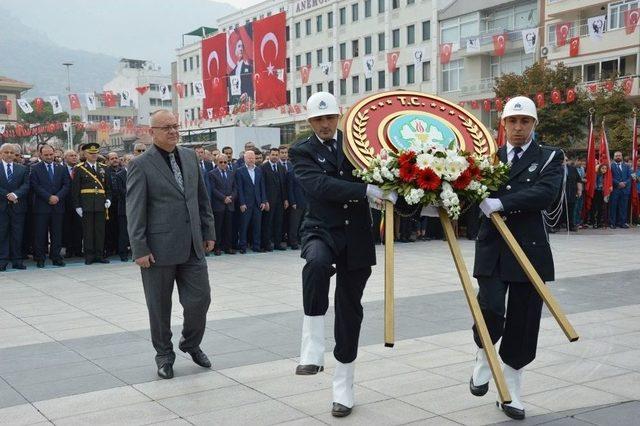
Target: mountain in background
<point>39,35</point>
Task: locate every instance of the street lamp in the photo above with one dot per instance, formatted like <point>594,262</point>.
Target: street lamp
<point>69,135</point>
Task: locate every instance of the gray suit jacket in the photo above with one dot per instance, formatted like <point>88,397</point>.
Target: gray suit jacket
<point>162,220</point>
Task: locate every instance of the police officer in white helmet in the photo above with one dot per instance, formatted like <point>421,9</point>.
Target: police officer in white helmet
<point>535,179</point>
<point>336,230</point>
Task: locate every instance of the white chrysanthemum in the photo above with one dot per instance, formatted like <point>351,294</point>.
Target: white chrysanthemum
<point>424,161</point>
<point>386,173</point>
<point>438,165</point>
<point>377,176</point>
<point>414,196</point>
<point>396,172</point>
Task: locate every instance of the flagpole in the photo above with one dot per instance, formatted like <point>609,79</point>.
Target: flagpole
<point>634,160</point>
<point>69,141</point>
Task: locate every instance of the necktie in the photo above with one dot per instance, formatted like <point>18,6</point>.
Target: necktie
<point>273,167</point>
<point>330,144</point>
<point>516,155</point>
<point>176,171</point>
<point>224,175</point>
<point>9,172</point>
<point>50,170</point>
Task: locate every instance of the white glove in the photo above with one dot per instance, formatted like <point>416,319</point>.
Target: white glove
<point>107,204</point>
<point>374,191</point>
<point>490,205</point>
<point>79,211</point>
<point>430,211</point>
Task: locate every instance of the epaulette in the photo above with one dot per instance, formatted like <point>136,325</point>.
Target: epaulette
<point>102,164</point>
<point>79,164</point>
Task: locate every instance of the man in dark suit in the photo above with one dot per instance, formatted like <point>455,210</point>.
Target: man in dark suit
<point>336,229</point>
<point>170,228</point>
<point>14,190</point>
<point>619,200</point>
<point>252,199</point>
<point>223,194</point>
<point>275,182</point>
<point>50,183</point>
<point>205,165</point>
<point>298,207</point>
<point>120,194</point>
<point>72,223</point>
<point>534,182</point>
<point>572,190</point>
<point>111,226</point>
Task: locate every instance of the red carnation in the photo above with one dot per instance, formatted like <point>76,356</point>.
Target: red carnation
<point>463,180</point>
<point>408,172</point>
<point>476,173</point>
<point>406,158</point>
<point>428,180</point>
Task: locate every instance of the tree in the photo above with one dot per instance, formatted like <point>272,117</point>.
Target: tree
<point>46,116</point>
<point>565,125</point>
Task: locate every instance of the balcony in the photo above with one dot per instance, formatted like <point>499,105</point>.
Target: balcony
<point>635,87</point>
<point>612,40</point>
<point>561,8</point>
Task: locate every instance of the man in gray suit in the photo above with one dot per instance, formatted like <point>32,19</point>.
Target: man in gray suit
<point>171,226</point>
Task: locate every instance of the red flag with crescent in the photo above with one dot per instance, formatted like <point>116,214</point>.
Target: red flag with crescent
<point>474,104</point>
<point>74,101</point>
<point>540,100</point>
<point>592,88</point>
<point>214,72</point>
<point>109,99</point>
<point>305,70</point>
<point>574,46</point>
<point>8,106</point>
<point>571,95</point>
<point>499,104</point>
<point>179,89</point>
<point>631,18</point>
<point>392,60</point>
<point>345,67</point>
<point>39,104</point>
<point>609,85</point>
<point>556,98</point>
<point>270,55</point>
<point>562,32</point>
<point>499,44</point>
<point>607,185</point>
<point>445,53</point>
<point>142,89</point>
<point>461,103</point>
<point>627,85</point>
<point>486,105</point>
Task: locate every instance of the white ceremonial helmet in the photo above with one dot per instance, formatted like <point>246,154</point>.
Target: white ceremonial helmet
<point>322,103</point>
<point>520,105</point>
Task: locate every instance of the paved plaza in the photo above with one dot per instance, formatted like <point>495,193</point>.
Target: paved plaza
<point>75,345</point>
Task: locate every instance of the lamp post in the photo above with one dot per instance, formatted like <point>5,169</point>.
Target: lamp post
<point>69,133</point>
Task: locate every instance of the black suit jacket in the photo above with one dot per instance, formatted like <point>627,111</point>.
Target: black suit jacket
<point>19,185</point>
<point>571,186</point>
<point>119,191</point>
<point>338,211</point>
<point>220,188</point>
<point>534,183</point>
<point>42,188</point>
<point>275,183</point>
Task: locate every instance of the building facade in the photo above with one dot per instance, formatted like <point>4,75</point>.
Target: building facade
<point>10,90</point>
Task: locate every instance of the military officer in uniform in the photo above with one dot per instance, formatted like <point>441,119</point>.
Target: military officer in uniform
<point>336,230</point>
<point>91,194</point>
<point>535,178</point>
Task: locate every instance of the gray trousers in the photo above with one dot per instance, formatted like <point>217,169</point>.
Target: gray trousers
<point>192,279</point>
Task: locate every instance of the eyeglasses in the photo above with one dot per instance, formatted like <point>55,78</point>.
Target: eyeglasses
<point>139,150</point>
<point>222,162</point>
<point>175,127</point>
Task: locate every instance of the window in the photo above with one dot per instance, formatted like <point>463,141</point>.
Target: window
<point>511,63</point>
<point>609,69</point>
<point>343,87</point>
<point>298,61</point>
<point>426,30</point>
<point>308,90</point>
<point>197,61</point>
<point>330,88</point>
<point>395,4</point>
<point>411,34</point>
<point>343,15</point>
<point>411,74</point>
<point>288,97</point>
<point>319,23</point>
<point>297,29</point>
<point>380,42</point>
<point>354,12</point>
<point>298,95</point>
<point>426,71</point>
<point>355,48</point>
<point>330,54</point>
<point>307,57</point>
<point>367,45</point>
<point>616,12</point>
<point>307,27</point>
<point>190,63</point>
<point>395,38</point>
<point>410,2</point>
<point>452,30</point>
<point>287,33</point>
<point>395,77</point>
<point>319,87</point>
<point>381,6</point>
<point>355,84</point>
<point>591,72</point>
<point>288,65</point>
<point>184,64</point>
<point>368,84</point>
<point>367,8</point>
<point>343,51</point>
<point>451,75</point>
<point>381,82</point>
<point>330,20</point>
<point>319,56</point>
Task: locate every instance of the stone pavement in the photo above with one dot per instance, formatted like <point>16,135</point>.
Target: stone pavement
<point>75,349</point>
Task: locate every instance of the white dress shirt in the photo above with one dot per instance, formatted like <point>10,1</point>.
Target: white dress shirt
<point>510,152</point>
<point>252,173</point>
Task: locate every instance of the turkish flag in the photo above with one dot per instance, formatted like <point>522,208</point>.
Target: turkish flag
<point>345,66</point>
<point>109,99</point>
<point>474,104</point>
<point>571,95</point>
<point>574,46</point>
<point>562,32</point>
<point>556,98</point>
<point>305,70</point>
<point>631,18</point>
<point>270,55</point>
<point>486,105</point>
<point>540,100</point>
<point>609,85</point>
<point>214,71</point>
<point>499,44</point>
<point>392,60</point>
<point>445,53</point>
<point>8,106</point>
<point>74,102</point>
<point>592,88</point>
<point>179,89</point>
<point>590,172</point>
<point>501,139</point>
<point>39,104</point>
<point>627,85</point>
<point>142,89</point>
<point>499,104</point>
<point>635,201</point>
<point>461,103</point>
<point>607,185</point>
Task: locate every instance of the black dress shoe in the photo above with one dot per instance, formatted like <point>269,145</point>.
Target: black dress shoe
<point>200,358</point>
<point>624,226</point>
<point>165,371</point>
<point>230,251</point>
<point>3,268</point>
<point>243,251</point>
<point>124,258</point>
<point>103,260</point>
<point>19,266</point>
<point>88,261</point>
<point>295,247</point>
<point>308,370</point>
<point>217,252</point>
<point>340,410</point>
<point>58,262</point>
<point>478,390</point>
<point>40,263</point>
<point>280,248</point>
<point>514,413</point>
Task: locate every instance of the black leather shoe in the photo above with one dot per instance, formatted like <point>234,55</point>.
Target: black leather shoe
<point>308,370</point>
<point>200,358</point>
<point>217,252</point>
<point>478,390</point>
<point>340,410</point>
<point>243,251</point>
<point>88,262</point>
<point>295,247</point>
<point>68,255</point>
<point>19,266</point>
<point>40,263</point>
<point>165,371</point>
<point>3,268</point>
<point>58,262</point>
<point>103,261</point>
<point>230,251</point>
<point>514,413</point>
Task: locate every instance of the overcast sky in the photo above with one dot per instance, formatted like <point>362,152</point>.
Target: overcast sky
<point>241,3</point>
